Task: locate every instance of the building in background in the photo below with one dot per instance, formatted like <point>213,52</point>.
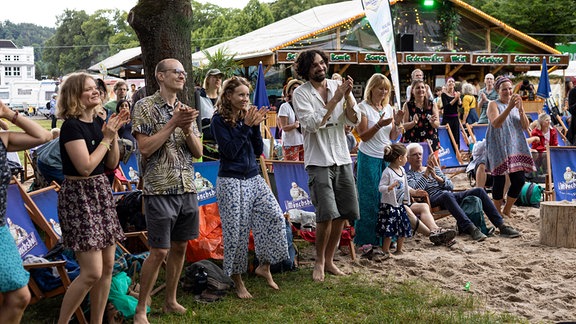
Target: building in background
<point>15,63</point>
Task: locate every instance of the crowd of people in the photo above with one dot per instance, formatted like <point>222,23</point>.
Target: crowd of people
<point>319,115</point>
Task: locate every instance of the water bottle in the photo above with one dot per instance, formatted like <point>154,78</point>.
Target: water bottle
<point>200,280</point>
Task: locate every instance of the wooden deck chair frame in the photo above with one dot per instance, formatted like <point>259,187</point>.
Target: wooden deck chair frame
<point>437,212</point>
<point>561,125</point>
<point>36,292</point>
<point>453,169</point>
<point>474,134</point>
<point>263,166</point>
<point>40,219</point>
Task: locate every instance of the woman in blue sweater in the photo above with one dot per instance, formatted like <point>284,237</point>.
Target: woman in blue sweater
<point>245,201</point>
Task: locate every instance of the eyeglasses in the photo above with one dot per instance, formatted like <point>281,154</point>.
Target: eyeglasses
<point>177,71</point>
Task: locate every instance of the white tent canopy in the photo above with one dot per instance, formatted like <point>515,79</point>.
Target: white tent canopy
<point>262,41</point>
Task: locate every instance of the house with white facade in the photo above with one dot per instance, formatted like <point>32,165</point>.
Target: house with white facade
<point>15,63</point>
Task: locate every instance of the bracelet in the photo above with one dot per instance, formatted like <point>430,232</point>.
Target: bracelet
<point>378,125</point>
<point>107,145</point>
<point>13,120</point>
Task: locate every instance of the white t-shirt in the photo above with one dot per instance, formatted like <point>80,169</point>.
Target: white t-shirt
<point>375,146</point>
<point>292,137</point>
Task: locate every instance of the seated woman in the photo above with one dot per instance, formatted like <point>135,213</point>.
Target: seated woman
<point>543,134</point>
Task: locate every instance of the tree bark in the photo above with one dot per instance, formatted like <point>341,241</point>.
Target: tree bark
<point>164,31</point>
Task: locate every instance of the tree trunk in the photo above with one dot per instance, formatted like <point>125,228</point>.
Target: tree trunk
<point>163,28</point>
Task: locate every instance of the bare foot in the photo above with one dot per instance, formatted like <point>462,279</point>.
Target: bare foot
<point>141,319</point>
<point>243,293</point>
<point>318,273</point>
<point>241,290</point>
<point>174,308</point>
<point>264,272</point>
<point>398,252</point>
<point>331,268</point>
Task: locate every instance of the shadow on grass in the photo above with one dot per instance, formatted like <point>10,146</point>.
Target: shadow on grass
<point>351,299</point>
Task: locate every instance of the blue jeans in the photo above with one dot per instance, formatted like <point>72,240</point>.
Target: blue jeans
<point>451,201</point>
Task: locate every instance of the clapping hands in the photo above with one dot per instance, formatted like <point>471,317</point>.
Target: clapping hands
<point>255,116</point>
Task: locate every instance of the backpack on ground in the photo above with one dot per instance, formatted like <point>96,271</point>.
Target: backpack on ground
<point>530,195</point>
<point>218,283</point>
<point>472,207</point>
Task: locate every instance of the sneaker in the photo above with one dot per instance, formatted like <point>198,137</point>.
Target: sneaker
<point>477,235</point>
<point>508,231</point>
<point>442,236</point>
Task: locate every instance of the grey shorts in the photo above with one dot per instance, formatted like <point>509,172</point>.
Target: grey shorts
<point>333,192</point>
<point>171,218</point>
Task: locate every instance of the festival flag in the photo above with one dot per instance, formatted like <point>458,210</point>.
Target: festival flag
<point>380,18</point>
<point>260,95</point>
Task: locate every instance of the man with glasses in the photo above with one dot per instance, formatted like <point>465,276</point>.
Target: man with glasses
<point>168,139</point>
<point>486,95</point>
<point>121,92</point>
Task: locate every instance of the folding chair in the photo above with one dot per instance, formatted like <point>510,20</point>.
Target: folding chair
<point>291,181</point>
<point>29,242</point>
<point>449,156</point>
<point>130,171</point>
<point>477,131</point>
<point>561,182</point>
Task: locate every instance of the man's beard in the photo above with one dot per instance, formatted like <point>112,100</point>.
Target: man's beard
<point>318,77</point>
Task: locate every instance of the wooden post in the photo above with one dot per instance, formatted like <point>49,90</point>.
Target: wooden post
<point>558,224</point>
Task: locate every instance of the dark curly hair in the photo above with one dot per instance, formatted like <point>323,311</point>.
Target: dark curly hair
<point>393,151</point>
<point>224,106</point>
<point>305,60</point>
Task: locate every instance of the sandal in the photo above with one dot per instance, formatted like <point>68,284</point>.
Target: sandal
<point>380,256</point>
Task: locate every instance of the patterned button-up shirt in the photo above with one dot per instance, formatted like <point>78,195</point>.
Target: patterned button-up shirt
<point>169,170</point>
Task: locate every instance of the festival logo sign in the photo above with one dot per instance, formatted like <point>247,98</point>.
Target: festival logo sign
<point>205,175</point>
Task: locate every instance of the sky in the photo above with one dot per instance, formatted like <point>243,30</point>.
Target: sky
<point>43,13</point>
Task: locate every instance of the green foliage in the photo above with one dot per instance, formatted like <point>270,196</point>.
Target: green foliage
<point>449,20</point>
<point>553,17</point>
<point>82,40</point>
<point>221,60</point>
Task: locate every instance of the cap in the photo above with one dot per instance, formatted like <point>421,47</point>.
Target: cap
<point>214,72</point>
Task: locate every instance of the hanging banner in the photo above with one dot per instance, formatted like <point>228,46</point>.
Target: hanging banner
<point>380,18</point>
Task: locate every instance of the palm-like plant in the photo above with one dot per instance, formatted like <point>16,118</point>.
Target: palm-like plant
<point>221,60</point>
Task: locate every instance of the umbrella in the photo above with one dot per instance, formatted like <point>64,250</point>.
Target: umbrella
<point>260,95</point>
<point>544,89</point>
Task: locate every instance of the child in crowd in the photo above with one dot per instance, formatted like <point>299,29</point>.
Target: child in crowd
<point>392,219</point>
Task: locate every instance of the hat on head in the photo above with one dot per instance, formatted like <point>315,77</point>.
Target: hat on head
<point>214,72</point>
<point>291,84</point>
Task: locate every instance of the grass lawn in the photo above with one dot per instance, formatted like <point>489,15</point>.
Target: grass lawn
<point>357,298</point>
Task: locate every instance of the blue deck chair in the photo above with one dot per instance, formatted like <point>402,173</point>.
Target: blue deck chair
<point>449,157</point>
<point>562,165</point>
<point>29,242</point>
<point>125,168</point>
<point>291,181</point>
<point>464,142</point>
<point>478,131</point>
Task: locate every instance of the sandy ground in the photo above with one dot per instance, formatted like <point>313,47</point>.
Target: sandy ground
<point>518,275</point>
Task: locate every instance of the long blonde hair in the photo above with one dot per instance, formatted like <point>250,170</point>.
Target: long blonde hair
<point>376,81</point>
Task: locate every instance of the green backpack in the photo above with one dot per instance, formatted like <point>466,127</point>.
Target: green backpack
<point>530,195</point>
<point>472,206</point>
